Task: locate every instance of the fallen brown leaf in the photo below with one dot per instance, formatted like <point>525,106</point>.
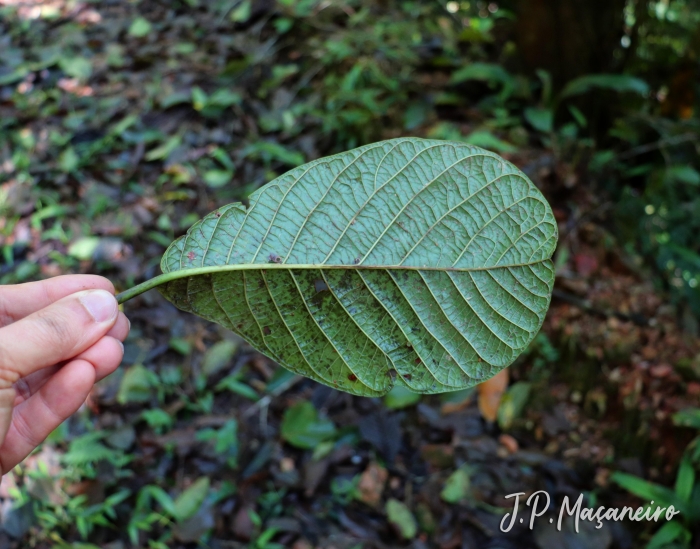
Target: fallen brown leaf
<point>371,484</point>
<point>490,393</point>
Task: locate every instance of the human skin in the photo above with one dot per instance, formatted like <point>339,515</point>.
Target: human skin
<point>58,337</point>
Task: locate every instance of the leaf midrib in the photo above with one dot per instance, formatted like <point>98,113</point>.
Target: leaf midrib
<point>197,271</point>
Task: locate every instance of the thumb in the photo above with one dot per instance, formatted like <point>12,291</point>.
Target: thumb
<point>49,336</point>
<point>56,333</point>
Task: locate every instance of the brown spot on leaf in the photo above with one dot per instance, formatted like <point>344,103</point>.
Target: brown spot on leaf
<point>190,256</point>
<point>418,360</point>
<point>407,377</point>
<point>217,213</point>
<point>266,330</point>
<point>240,326</point>
<point>392,374</point>
<point>352,377</point>
<point>274,258</point>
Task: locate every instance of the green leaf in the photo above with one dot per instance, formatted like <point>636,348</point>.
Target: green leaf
<point>217,178</point>
<point>322,450</point>
<point>512,404</point>
<point>281,378</point>
<point>269,151</point>
<point>242,12</point>
<point>647,490</point>
<point>225,440</point>
<point>415,114</point>
<point>578,116</point>
<point>485,72</point>
<point>224,98</point>
<point>302,427</point>
<point>164,150</point>
<point>685,480</point>
<point>13,76</point>
<point>161,496</point>
<point>218,357</point>
<point>157,419</point>
<point>456,487</point>
<point>401,517</point>
<point>232,384</point>
<point>400,397</point>
<point>189,502</point>
<point>684,174</point>
<point>489,72</point>
<point>199,98</point>
<point>87,449</point>
<point>140,27</point>
<point>667,534</point>
<point>487,140</point>
<point>136,385</point>
<point>76,67</point>
<point>546,80</point>
<point>614,82</point>
<point>68,160</point>
<point>176,98</point>
<point>689,417</point>
<point>540,119</point>
<point>180,345</point>
<point>409,262</point>
<point>84,248</point>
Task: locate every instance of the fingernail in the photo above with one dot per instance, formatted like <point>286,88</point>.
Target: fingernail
<point>129,321</point>
<point>100,304</point>
<point>120,343</point>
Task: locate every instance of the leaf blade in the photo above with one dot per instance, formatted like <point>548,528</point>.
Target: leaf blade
<point>415,262</point>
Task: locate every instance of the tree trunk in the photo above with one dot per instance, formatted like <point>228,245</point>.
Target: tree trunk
<point>568,38</point>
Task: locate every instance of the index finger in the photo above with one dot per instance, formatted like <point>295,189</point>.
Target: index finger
<point>20,300</point>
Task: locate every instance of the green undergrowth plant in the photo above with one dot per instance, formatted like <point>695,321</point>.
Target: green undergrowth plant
<point>542,117</point>
<point>410,262</point>
<point>656,201</point>
<point>685,495</point>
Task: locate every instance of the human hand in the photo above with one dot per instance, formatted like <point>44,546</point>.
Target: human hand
<point>57,338</point>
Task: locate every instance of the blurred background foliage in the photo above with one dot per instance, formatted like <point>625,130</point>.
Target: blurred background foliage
<point>611,88</point>
<point>122,122</point>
